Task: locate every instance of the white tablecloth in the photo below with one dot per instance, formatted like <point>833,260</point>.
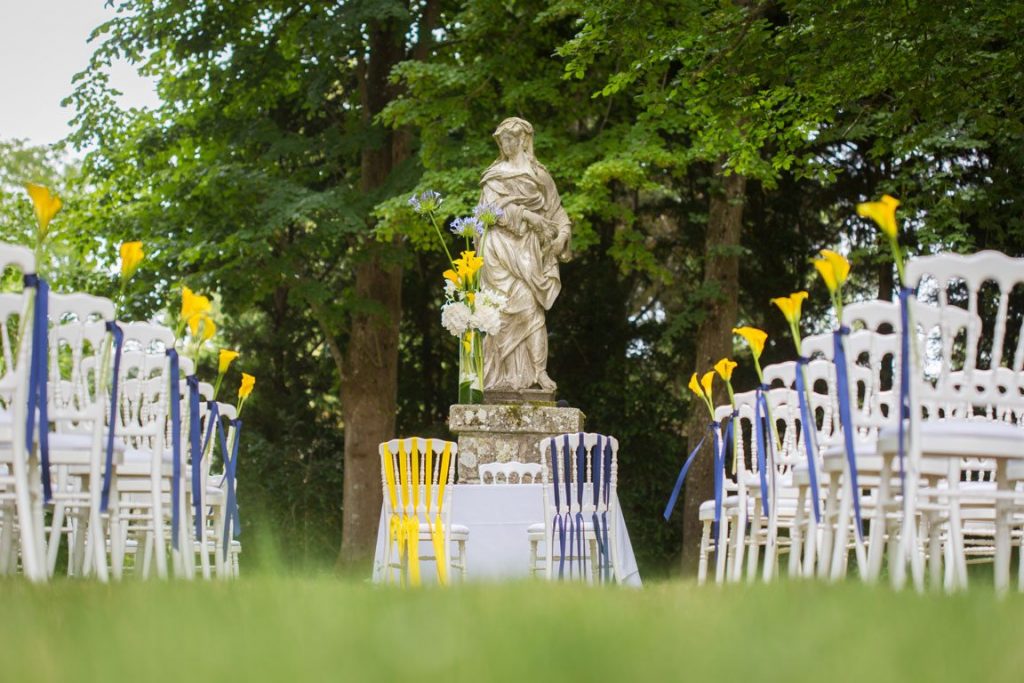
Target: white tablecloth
<point>498,516</point>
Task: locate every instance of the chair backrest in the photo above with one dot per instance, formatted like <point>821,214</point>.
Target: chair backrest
<point>579,472</point>
<point>77,344</point>
<point>416,475</point>
<point>15,318</point>
<point>973,357</point>
<point>510,473</point>
<point>144,384</point>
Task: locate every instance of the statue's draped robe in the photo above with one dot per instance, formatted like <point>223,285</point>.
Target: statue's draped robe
<point>519,262</point>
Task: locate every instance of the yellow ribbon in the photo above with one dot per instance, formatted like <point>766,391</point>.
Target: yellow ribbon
<point>403,528</point>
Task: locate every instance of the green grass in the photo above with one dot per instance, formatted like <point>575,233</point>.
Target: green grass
<point>324,628</point>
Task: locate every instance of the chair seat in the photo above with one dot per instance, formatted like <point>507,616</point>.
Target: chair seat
<point>138,463</point>
<point>962,438</point>
<point>706,512</point>
<point>457,532</point>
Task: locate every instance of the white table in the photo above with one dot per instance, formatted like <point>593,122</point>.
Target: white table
<point>498,516</point>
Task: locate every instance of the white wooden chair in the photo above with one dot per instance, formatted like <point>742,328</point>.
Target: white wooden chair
<point>580,477</point>
<point>966,403</point>
<point>22,531</point>
<point>417,475</point>
<point>78,400</point>
<point>509,473</point>
<point>516,472</point>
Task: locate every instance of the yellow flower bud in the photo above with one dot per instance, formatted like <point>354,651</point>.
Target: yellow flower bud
<point>248,382</point>
<point>883,213</point>
<point>724,369</point>
<point>45,204</point>
<point>131,257</point>
<point>754,337</point>
<point>225,359</point>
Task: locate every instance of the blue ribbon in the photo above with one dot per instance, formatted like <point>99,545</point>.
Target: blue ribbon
<point>846,417</point>
<point>602,477</point>
<point>230,465</point>
<point>581,468</point>
<point>118,334</point>
<point>905,360</point>
<point>175,399</point>
<point>198,485</point>
<point>195,449</point>
<point>37,380</point>
<point>721,446</point>
<point>761,413</point>
<point>682,477</point>
<point>810,429</point>
<point>558,521</point>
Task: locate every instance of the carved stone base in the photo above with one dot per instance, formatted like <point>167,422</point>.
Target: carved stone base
<point>511,396</point>
<point>502,433</point>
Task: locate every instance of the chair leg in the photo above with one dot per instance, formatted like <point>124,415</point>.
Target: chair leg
<point>827,530</point>
<point>739,543</point>
<point>840,542</point>
<point>796,534</point>
<point>533,558</point>
<point>721,549</point>
<point>702,563</point>
<point>755,542</point>
<point>879,523</point>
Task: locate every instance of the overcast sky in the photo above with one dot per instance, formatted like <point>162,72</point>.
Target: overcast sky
<point>42,46</point>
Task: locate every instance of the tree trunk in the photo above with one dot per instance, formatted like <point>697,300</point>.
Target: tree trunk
<point>714,340</point>
<point>369,386</point>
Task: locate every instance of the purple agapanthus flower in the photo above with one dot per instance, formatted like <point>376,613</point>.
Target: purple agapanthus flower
<point>427,202</point>
<point>488,214</point>
<point>467,227</point>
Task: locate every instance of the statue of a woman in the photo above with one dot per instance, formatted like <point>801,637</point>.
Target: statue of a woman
<point>521,254</point>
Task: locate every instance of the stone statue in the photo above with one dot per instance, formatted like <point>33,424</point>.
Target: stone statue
<point>521,254</point>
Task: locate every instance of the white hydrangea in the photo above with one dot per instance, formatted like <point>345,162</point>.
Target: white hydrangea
<point>491,298</point>
<point>487,319</point>
<point>455,317</point>
<point>449,290</point>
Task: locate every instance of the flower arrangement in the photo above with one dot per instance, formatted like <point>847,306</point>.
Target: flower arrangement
<point>471,310</point>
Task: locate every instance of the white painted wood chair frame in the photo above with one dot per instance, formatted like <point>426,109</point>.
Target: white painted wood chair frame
<point>575,499</point>
<point>426,501</point>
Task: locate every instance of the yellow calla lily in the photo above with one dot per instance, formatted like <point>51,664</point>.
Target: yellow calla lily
<point>202,326</point>
<point>694,386</point>
<point>724,369</point>
<point>706,382</point>
<point>45,204</point>
<point>468,264</point>
<point>193,304</point>
<point>248,382</point>
<point>452,276</point>
<point>833,268</point>
<point>883,213</point>
<point>131,257</point>
<point>790,306</point>
<point>754,337</point>
<point>225,359</point>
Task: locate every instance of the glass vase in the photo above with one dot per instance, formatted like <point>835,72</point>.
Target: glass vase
<point>471,367</point>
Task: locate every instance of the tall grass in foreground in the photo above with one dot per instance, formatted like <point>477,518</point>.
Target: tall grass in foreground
<point>322,628</point>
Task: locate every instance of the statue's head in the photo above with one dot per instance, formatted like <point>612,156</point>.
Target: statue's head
<point>512,135</point>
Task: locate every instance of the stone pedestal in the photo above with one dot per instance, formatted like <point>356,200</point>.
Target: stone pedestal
<point>502,433</point>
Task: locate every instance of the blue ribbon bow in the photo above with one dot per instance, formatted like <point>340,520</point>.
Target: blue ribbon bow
<point>718,460</point>
<point>175,399</point>
<point>810,430</point>
<point>846,417</point>
<point>37,380</point>
<point>118,335</point>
